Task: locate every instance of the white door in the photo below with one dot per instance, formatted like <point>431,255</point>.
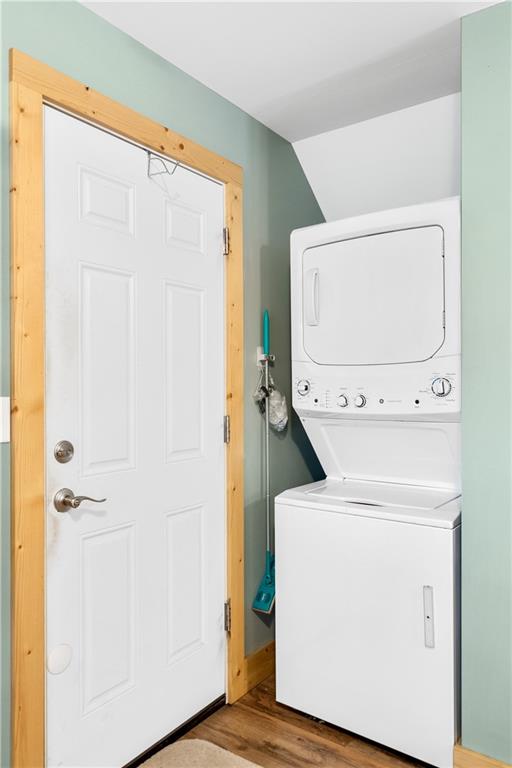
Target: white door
<point>135,381</point>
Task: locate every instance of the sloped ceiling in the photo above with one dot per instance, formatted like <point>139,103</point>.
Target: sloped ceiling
<point>305,68</point>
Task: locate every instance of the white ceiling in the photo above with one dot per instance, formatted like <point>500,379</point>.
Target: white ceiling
<point>303,68</point>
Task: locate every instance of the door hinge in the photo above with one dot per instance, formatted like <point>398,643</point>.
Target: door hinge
<point>225,240</point>
<point>227,615</point>
<point>227,429</point>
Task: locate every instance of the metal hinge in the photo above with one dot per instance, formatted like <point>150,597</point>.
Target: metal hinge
<point>227,429</point>
<point>227,615</point>
<point>225,240</point>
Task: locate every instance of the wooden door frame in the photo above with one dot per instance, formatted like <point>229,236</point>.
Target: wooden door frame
<point>32,85</point>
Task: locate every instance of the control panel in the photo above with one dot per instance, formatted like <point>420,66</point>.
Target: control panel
<point>422,391</point>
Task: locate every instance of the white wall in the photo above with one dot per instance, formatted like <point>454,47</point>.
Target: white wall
<point>401,158</point>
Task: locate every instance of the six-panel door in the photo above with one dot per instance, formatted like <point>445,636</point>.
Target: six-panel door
<point>135,380</point>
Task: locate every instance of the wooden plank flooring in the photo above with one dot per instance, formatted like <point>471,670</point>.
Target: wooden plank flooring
<point>274,736</point>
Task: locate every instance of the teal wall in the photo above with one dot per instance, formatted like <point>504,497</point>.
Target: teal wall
<point>277,199</point>
<point>487,382</point>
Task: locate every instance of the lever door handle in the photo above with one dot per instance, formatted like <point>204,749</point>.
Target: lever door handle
<point>65,499</point>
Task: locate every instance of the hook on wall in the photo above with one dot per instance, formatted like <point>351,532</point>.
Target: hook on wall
<point>152,158</point>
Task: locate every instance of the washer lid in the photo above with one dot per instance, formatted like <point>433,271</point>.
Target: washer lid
<point>383,494</point>
<point>417,505</point>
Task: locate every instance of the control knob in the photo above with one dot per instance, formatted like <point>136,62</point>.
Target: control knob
<point>342,401</point>
<point>359,401</point>
<point>303,387</point>
<point>441,387</point>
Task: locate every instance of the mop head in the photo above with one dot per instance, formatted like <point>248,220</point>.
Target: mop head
<point>266,594</point>
<point>272,399</point>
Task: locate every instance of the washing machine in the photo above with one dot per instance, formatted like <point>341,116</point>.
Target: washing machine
<point>367,560</point>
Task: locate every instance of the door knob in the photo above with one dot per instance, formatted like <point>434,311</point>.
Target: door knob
<point>65,499</point>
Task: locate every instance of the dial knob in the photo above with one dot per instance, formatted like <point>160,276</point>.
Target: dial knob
<point>303,387</point>
<point>342,401</point>
<point>441,387</point>
<point>359,401</point>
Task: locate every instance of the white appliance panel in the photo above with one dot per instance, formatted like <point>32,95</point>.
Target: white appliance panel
<point>419,453</point>
<point>389,391</point>
<point>376,299</point>
<point>355,643</point>
<point>442,215</point>
<point>381,495</point>
<point>414,505</point>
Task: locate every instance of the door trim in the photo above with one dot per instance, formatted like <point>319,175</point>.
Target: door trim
<point>33,84</point>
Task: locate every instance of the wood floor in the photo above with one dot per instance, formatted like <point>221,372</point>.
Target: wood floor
<point>274,736</point>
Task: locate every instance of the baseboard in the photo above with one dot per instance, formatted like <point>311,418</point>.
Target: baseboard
<point>466,758</point>
<point>260,665</point>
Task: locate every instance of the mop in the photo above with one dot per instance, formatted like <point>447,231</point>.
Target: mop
<point>265,395</point>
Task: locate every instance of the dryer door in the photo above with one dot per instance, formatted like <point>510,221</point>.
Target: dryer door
<point>376,299</point>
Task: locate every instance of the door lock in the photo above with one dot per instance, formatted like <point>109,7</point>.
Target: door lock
<point>64,451</point>
<point>65,499</point>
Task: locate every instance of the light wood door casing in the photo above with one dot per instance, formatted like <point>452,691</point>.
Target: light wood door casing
<point>32,84</point>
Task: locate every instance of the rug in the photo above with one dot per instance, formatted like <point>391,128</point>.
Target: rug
<point>196,753</point>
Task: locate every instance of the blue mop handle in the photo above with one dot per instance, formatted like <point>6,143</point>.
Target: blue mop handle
<point>266,333</point>
<point>269,562</point>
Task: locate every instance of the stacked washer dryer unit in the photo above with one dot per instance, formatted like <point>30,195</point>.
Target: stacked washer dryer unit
<point>367,560</point>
